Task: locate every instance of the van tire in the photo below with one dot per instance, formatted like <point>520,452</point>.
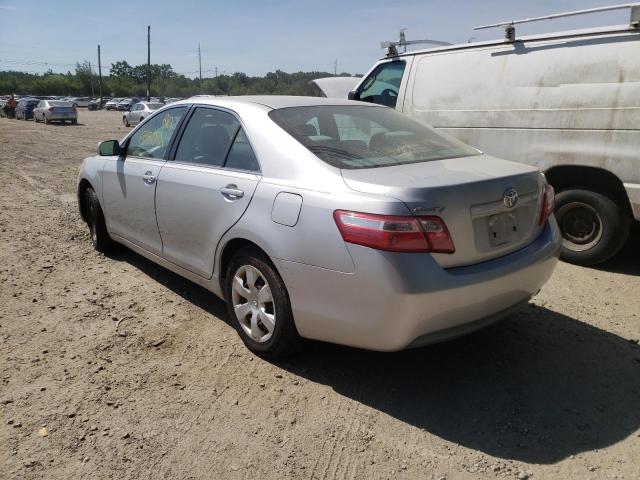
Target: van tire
<point>594,228</point>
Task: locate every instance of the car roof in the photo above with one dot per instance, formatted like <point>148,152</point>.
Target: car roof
<point>272,101</point>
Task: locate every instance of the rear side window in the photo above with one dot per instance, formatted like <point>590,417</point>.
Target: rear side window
<point>151,139</point>
<point>207,138</point>
<point>383,85</point>
<point>215,138</point>
<point>241,156</point>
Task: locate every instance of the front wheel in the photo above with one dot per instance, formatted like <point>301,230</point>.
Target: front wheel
<point>259,307</point>
<point>594,228</point>
<point>95,218</point>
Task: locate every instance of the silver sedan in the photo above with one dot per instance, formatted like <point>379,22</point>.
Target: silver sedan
<point>325,219</point>
<point>55,111</point>
<point>139,112</point>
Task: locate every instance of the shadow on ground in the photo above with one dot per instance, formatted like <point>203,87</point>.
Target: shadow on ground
<point>537,387</point>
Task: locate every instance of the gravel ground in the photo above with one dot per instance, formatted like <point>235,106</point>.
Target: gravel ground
<point>113,367</point>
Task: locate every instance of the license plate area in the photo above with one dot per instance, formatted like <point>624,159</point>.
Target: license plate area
<point>502,229</point>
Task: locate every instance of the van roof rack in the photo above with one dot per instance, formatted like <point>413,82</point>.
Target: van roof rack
<point>392,47</point>
<point>510,30</point>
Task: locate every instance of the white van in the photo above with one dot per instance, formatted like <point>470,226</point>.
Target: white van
<point>568,103</point>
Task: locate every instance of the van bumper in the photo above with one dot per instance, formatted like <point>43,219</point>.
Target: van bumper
<point>633,193</point>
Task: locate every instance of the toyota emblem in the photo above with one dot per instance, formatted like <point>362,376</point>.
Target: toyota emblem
<point>510,197</point>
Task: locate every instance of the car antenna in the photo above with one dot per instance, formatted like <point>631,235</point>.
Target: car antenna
<point>510,30</point>
<point>392,47</point>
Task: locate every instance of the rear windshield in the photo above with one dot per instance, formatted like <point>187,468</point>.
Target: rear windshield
<point>352,136</point>
<point>154,106</point>
<point>59,103</point>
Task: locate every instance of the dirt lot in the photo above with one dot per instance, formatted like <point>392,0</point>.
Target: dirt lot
<point>113,367</point>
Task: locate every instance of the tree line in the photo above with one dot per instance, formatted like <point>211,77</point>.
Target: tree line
<point>125,80</point>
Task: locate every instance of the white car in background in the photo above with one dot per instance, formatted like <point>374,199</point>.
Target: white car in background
<point>139,112</point>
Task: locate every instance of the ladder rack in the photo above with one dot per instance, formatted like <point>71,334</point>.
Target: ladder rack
<point>510,31</point>
<point>392,47</point>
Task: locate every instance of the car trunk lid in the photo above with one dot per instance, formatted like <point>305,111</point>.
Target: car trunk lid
<point>473,195</point>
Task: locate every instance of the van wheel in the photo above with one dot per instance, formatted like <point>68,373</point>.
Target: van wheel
<point>594,228</point>
<point>95,218</point>
<point>259,306</point>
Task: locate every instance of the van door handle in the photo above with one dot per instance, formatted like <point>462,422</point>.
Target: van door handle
<point>231,192</point>
<point>148,177</point>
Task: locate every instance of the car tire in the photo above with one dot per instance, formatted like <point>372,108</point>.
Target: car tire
<point>74,122</point>
<point>100,238</point>
<point>594,228</point>
<point>279,339</point>
<point>141,119</point>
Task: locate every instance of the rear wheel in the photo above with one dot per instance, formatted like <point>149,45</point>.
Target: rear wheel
<point>594,228</point>
<point>259,307</point>
<point>99,236</point>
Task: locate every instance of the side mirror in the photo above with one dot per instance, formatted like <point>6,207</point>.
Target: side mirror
<point>109,148</point>
<point>353,95</point>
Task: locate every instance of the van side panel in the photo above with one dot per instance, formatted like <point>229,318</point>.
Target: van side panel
<point>542,102</point>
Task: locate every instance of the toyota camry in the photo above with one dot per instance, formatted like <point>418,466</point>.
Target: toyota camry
<point>325,219</point>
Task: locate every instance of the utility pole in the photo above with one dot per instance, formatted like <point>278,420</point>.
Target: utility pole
<point>93,94</point>
<point>148,63</point>
<point>335,67</point>
<point>216,72</point>
<point>200,64</point>
<point>99,76</point>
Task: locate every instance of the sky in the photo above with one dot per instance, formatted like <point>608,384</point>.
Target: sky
<point>256,36</point>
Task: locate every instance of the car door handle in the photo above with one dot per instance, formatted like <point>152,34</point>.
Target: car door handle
<point>148,178</point>
<point>231,192</point>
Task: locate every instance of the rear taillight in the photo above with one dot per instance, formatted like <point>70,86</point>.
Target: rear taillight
<point>394,233</point>
<point>548,204</point>
<point>50,109</point>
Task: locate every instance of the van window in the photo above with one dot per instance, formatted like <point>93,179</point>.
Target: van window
<point>383,85</point>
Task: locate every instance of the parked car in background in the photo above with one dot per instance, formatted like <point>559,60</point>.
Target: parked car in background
<point>112,104</point>
<point>55,111</point>
<point>3,105</point>
<point>97,103</point>
<point>327,219</point>
<point>24,109</point>
<point>126,104</point>
<point>79,101</point>
<point>139,112</point>
<point>566,102</point>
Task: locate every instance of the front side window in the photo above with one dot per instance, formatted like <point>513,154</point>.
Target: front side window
<point>352,136</point>
<point>152,138</point>
<point>383,85</point>
<point>207,138</point>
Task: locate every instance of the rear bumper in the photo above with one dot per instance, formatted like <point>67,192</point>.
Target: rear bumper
<point>393,301</point>
<point>58,116</point>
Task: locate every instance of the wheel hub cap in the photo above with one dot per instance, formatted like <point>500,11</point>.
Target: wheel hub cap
<point>253,303</point>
